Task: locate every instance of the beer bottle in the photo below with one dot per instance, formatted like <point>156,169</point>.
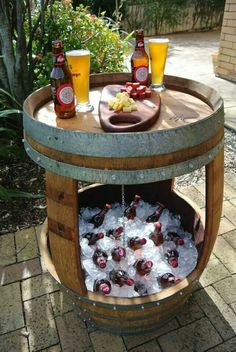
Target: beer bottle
<point>154,217</point>
<point>93,237</point>
<point>139,60</point>
<point>136,242</point>
<point>130,211</point>
<point>98,218</point>
<point>157,236</point>
<point>118,253</point>
<point>143,266</point>
<point>121,278</point>
<point>100,258</point>
<point>61,84</point>
<point>102,286</point>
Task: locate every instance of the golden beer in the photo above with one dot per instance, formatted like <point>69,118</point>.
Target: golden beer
<point>158,49</point>
<point>79,66</point>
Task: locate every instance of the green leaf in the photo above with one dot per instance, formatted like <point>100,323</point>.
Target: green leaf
<point>7,194</point>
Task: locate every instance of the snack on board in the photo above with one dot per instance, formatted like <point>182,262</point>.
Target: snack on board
<point>125,99</point>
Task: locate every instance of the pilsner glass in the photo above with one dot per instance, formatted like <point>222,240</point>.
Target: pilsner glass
<point>79,66</point>
<point>158,48</point>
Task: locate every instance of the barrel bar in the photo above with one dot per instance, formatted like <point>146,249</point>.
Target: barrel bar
<point>137,144</point>
<point>122,176</point>
<point>133,163</point>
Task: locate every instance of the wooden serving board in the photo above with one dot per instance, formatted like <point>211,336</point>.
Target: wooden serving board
<point>147,113</point>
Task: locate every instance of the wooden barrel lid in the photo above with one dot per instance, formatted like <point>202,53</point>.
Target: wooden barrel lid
<point>186,136</point>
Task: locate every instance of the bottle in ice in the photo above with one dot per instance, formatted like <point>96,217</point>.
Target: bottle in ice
<point>140,288</point>
<point>93,237</point>
<point>130,211</point>
<point>98,218</point>
<point>171,256</point>
<point>173,236</point>
<point>102,286</point>
<point>121,278</point>
<point>115,233</point>
<point>140,60</point>
<point>143,266</point>
<point>118,253</point>
<point>157,236</point>
<point>154,217</point>
<point>61,84</point>
<point>100,258</point>
<point>167,280</point>
<point>136,242</point>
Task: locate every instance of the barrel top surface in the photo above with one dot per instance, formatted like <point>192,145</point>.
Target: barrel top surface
<point>191,117</point>
<point>177,109</point>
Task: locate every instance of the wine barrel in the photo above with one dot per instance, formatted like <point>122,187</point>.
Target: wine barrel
<point>187,135</point>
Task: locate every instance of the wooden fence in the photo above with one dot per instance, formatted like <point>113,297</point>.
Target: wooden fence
<point>134,18</point>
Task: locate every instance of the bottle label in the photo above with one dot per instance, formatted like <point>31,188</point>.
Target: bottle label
<point>140,74</point>
<point>65,94</point>
<point>140,44</point>
<point>58,59</point>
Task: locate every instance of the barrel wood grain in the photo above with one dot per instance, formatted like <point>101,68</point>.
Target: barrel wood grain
<point>62,209</point>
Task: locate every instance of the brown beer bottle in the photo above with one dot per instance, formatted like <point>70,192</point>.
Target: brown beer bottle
<point>139,60</point>
<point>61,84</point>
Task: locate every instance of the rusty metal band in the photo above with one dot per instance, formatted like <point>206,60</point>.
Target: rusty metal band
<point>122,176</point>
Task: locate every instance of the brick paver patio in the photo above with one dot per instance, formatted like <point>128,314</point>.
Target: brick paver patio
<point>35,316</point>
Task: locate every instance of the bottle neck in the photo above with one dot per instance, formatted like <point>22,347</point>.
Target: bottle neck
<point>139,43</point>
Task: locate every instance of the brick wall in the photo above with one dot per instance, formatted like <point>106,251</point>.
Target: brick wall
<point>226,65</point>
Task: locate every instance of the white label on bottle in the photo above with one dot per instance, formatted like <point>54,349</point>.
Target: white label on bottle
<point>141,74</point>
<point>65,94</point>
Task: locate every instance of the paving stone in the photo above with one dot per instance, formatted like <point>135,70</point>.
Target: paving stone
<point>38,230</point>
<point>151,346</point>
<point>233,306</point>
<point>26,244</point>
<point>38,286</point>
<point>19,271</point>
<point>227,289</point>
<point>231,180</point>
<point>225,226</point>
<point>219,313</point>
<point>14,342</point>
<point>229,210</point>
<point>139,339</point>
<point>190,312</point>
<point>230,237</point>
<point>233,201</point>
<point>11,317</point>
<point>40,323</point>
<point>228,346</point>
<point>56,348</point>
<point>214,271</point>
<point>229,191</point>
<point>7,249</point>
<point>193,193</point>
<point>225,253</point>
<point>60,303</point>
<point>106,342</point>
<point>73,334</point>
<point>201,187</point>
<point>198,336</point>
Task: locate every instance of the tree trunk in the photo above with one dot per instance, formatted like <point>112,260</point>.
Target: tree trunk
<point>14,73</point>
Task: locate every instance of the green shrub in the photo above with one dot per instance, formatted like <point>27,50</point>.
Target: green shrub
<point>79,29</point>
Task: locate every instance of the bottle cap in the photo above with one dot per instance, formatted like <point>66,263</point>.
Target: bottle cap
<point>105,288</point>
<point>148,264</point>
<point>107,206</point>
<point>100,235</point>
<point>143,241</point>
<point>130,281</point>
<point>120,229</point>
<point>137,197</point>
<point>101,263</point>
<point>173,262</point>
<point>158,225</point>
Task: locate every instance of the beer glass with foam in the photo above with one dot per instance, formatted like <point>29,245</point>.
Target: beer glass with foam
<point>79,66</point>
<point>158,48</point>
